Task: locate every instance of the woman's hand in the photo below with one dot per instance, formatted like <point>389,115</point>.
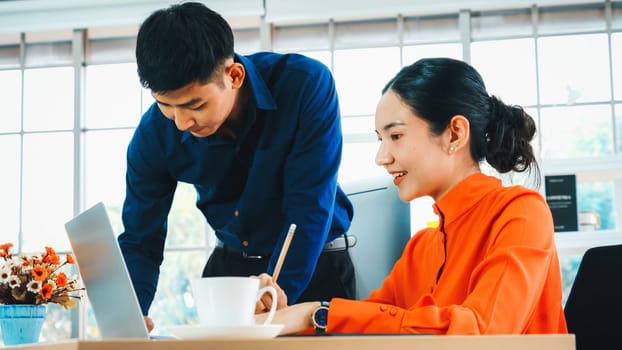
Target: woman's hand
<point>265,302</point>
<point>295,318</point>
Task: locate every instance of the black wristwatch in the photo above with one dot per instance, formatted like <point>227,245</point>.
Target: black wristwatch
<point>319,318</point>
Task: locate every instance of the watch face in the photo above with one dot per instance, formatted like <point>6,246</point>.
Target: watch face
<point>321,317</point>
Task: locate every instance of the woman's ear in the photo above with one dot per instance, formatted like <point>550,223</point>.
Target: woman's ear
<point>459,133</point>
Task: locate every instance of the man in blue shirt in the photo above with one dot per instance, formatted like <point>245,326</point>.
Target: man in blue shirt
<point>258,136</point>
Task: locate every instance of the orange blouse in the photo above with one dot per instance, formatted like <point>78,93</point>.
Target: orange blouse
<point>498,272</point>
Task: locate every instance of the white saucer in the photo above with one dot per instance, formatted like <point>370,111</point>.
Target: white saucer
<point>255,331</point>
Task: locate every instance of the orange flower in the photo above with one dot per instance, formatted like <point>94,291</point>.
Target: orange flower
<point>4,249</point>
<point>61,280</point>
<point>37,277</point>
<point>46,291</point>
<point>40,273</point>
<point>51,259</point>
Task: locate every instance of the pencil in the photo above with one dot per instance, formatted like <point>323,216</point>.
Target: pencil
<point>279,262</point>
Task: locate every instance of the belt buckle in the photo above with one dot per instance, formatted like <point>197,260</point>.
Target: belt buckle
<point>246,256</point>
<point>340,243</point>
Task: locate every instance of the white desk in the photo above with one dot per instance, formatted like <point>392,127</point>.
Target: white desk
<point>397,342</point>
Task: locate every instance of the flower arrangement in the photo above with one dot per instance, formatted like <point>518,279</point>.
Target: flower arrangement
<point>36,279</point>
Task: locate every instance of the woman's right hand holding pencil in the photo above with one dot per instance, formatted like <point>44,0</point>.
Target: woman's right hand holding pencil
<point>264,303</point>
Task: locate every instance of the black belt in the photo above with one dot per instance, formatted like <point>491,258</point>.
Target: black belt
<point>337,244</point>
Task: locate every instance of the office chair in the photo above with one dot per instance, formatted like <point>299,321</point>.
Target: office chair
<point>594,306</point>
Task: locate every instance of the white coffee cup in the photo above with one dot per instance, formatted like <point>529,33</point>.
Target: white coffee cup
<point>229,301</point>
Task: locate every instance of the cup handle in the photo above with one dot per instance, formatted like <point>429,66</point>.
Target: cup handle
<point>271,290</point>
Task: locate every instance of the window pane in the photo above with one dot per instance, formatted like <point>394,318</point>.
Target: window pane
<point>112,97</point>
<point>535,143</point>
<point>569,266</point>
<point>247,41</point>
<point>173,303</point>
<point>571,19</point>
<point>90,325</point>
<point>431,29</point>
<point>48,99</point>
<point>508,68</point>
<point>366,34</point>
<point>57,324</point>
<point>359,125</point>
<point>113,32</point>
<point>49,36</point>
<point>618,109</point>
<point>501,23</point>
<point>9,187</point>
<point>104,163</point>
<point>599,198</point>
<point>567,77</point>
<point>146,100</point>
<point>616,54</point>
<point>580,131</point>
<point>361,74</point>
<point>9,56</point>
<point>322,56</point>
<point>186,224</point>
<point>48,190</point>
<point>294,38</point>
<point>111,50</point>
<point>10,100</point>
<point>48,53</point>
<point>358,162</point>
<point>9,38</point>
<point>617,15</point>
<point>410,54</point>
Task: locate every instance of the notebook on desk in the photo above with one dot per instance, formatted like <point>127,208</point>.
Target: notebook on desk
<point>105,276</point>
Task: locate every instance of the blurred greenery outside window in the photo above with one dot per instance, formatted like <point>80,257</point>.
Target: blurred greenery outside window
<point>578,117</point>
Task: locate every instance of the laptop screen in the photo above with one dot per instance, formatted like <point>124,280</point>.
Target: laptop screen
<point>105,276</point>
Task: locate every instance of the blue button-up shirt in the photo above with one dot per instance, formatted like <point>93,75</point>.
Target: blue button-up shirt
<point>281,169</point>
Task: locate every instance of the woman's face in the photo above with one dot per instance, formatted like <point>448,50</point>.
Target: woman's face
<point>418,160</point>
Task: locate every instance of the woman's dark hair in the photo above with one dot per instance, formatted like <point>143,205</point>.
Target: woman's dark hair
<point>181,44</point>
<point>436,89</point>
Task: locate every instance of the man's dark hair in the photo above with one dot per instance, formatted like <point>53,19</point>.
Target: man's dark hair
<point>181,44</point>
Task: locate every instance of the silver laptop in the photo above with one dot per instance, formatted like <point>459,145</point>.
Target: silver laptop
<point>105,276</point>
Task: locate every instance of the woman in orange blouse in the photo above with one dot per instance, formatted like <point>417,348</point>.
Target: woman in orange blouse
<point>491,266</point>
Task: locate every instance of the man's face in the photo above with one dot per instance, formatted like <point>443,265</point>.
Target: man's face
<point>203,108</point>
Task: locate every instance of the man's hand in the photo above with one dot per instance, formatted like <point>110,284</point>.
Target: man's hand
<point>149,323</point>
<point>265,302</point>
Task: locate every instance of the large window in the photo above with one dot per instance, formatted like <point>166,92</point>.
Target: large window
<point>508,68</point>
<point>71,100</point>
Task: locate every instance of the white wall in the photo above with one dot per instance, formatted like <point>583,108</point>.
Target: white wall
<point>36,15</point>
<point>304,10</point>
